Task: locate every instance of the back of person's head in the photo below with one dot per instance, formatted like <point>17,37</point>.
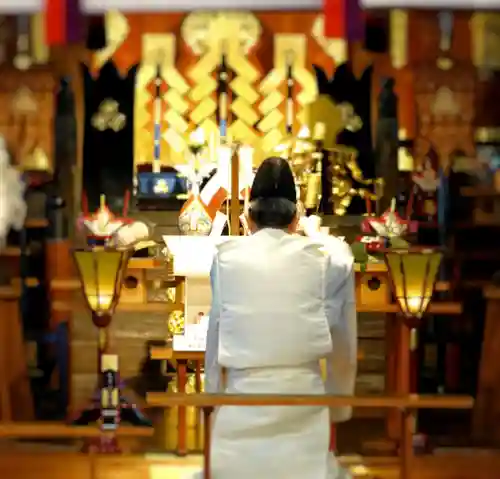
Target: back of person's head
<point>273,198</point>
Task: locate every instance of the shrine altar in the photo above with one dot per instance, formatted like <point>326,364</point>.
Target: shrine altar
<point>373,295</point>
<point>185,298</point>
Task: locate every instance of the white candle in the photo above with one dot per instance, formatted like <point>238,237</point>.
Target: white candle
<point>224,154</point>
<point>245,154</point>
<point>246,171</point>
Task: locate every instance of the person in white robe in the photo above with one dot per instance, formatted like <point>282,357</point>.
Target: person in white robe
<point>281,302</point>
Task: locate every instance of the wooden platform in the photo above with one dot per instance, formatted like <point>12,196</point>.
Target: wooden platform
<point>61,465</point>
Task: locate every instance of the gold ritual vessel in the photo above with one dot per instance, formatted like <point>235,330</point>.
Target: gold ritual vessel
<point>305,158</point>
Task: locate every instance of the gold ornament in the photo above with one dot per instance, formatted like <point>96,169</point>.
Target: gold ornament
<point>350,120</point>
<point>171,295</point>
<point>335,48</point>
<point>175,323</point>
<point>305,162</point>
<point>108,116</point>
<point>37,161</point>
<point>345,169</point>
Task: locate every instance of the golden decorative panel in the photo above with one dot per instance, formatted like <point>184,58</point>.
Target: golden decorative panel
<point>212,36</point>
<point>158,57</point>
<point>259,107</point>
<point>289,50</point>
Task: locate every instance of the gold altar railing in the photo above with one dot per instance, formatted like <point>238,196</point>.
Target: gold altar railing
<point>408,405</point>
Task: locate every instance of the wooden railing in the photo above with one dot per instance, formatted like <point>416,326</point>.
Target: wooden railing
<point>53,430</point>
<point>408,405</point>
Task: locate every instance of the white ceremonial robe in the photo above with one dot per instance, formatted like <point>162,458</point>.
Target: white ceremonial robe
<point>280,304</point>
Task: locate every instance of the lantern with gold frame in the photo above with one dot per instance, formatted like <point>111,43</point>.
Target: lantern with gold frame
<point>413,273</point>
<point>101,271</point>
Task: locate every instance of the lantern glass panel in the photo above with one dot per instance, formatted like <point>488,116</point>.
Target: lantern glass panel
<point>413,275</point>
<point>101,271</point>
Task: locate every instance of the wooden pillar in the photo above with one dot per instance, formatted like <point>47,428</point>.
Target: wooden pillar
<point>487,406</point>
<point>16,402</point>
<point>181,410</point>
<point>398,370</point>
<point>391,335</point>
<point>59,266</point>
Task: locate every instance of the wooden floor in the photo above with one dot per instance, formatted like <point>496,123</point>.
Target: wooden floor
<point>59,465</point>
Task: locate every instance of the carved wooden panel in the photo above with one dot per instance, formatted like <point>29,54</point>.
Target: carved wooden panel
<point>487,93</point>
<point>445,104</point>
<point>487,406</point>
<point>424,36</point>
<point>27,113</point>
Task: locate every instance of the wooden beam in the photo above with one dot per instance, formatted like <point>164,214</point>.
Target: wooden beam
<point>9,292</point>
<point>164,353</point>
<point>451,308</point>
<point>474,192</point>
<point>384,402</point>
<point>122,307</point>
<point>491,292</point>
<point>59,430</point>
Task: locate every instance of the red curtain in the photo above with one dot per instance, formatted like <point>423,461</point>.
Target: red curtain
<point>335,13</point>
<point>55,22</point>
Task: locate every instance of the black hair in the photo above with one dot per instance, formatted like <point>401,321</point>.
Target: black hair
<point>273,198</point>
